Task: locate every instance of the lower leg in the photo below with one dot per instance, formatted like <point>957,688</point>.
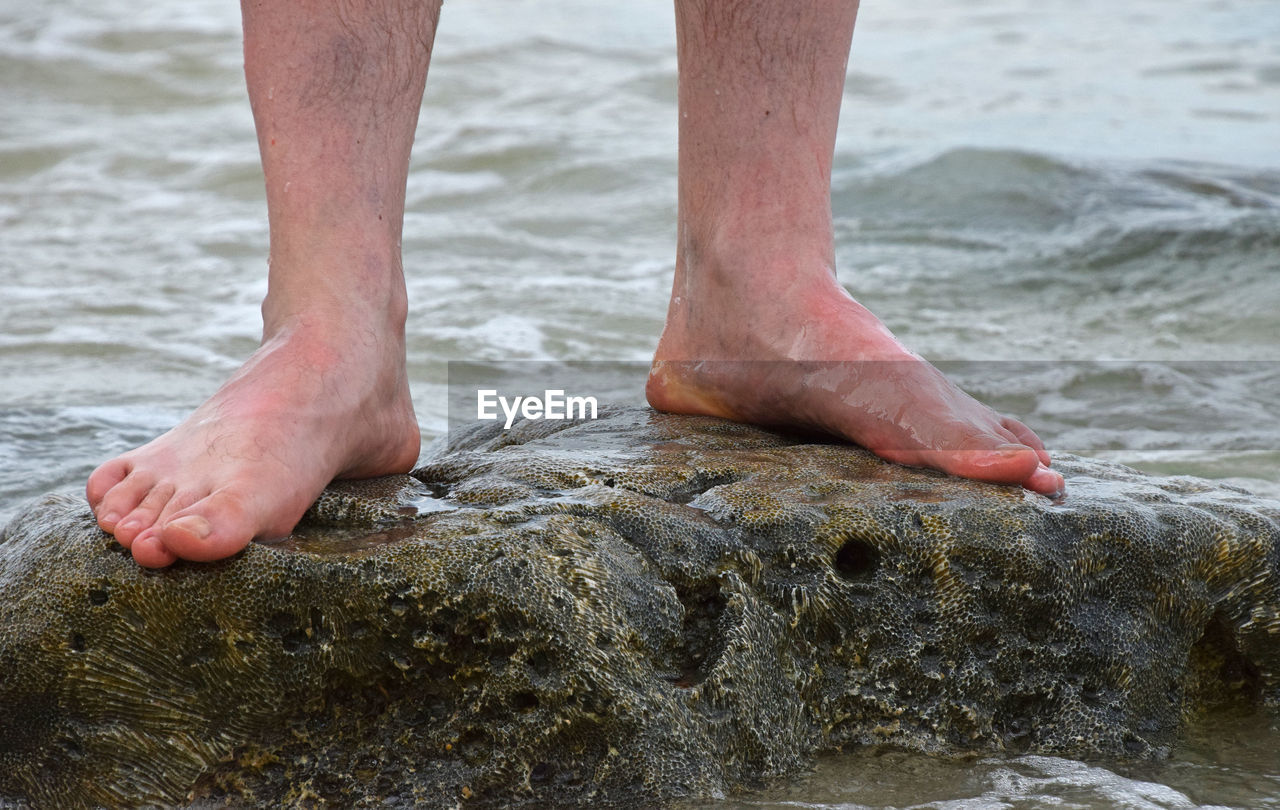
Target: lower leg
<point>758,328</point>
<point>335,90</point>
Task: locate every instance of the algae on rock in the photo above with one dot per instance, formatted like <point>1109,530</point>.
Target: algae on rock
<point>631,609</point>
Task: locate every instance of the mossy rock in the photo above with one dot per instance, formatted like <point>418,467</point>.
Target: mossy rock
<point>628,610</point>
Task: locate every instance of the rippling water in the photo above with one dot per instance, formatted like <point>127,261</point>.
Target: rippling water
<point>1039,182</point>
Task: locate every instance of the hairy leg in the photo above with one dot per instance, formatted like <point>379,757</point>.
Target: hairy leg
<point>758,328</point>
<point>335,87</point>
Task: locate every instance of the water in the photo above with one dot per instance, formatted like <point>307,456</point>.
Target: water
<point>1016,180</point>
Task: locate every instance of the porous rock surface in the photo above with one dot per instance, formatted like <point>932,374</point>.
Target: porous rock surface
<point>626,611</point>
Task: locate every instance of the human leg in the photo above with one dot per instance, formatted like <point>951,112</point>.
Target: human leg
<point>758,328</point>
<point>335,88</point>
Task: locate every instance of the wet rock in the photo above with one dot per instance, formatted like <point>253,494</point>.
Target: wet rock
<point>628,610</point>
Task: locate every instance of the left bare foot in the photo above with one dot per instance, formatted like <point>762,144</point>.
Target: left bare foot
<point>758,329</point>
<point>793,348</point>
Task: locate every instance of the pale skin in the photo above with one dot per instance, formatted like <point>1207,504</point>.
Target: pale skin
<point>758,328</point>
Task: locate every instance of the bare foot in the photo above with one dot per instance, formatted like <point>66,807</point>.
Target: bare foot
<point>317,401</point>
<point>804,353</point>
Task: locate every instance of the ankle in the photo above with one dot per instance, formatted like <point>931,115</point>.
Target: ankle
<point>750,251</point>
<point>369,359</point>
<point>368,297</point>
<point>737,302</point>
<point>732,279</point>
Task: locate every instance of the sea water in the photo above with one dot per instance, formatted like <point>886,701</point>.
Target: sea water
<point>1076,206</point>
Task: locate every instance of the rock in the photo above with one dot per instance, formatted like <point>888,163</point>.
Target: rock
<point>626,611</point>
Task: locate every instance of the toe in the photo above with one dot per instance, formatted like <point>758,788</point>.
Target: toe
<point>1046,482</point>
<point>144,515</point>
<point>103,479</point>
<point>1002,463</point>
<point>180,501</point>
<point>211,529</point>
<point>1028,437</point>
<point>149,552</point>
<point>122,499</point>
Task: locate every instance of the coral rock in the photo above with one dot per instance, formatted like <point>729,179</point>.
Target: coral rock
<point>631,609</point>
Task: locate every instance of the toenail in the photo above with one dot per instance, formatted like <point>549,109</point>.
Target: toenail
<point>130,524</point>
<point>194,524</point>
<point>110,517</point>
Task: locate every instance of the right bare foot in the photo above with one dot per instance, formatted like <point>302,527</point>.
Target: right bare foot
<point>317,401</point>
<point>335,102</point>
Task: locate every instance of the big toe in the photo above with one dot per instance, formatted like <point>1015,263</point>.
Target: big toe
<point>1047,482</point>
<point>1002,464</point>
<point>212,529</point>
